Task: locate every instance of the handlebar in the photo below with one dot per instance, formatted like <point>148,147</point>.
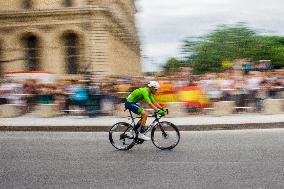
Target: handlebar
<point>157,115</point>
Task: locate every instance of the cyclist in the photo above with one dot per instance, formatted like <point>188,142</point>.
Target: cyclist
<point>144,93</point>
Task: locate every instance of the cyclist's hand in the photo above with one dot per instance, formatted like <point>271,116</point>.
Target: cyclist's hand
<point>161,112</point>
<point>166,110</point>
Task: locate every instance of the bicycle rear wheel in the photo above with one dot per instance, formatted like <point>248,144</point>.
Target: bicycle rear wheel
<point>122,136</point>
<point>165,135</point>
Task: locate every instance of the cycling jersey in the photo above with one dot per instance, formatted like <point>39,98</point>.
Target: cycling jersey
<point>141,94</point>
<point>136,96</point>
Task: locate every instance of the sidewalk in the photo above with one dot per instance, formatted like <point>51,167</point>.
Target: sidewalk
<point>103,124</point>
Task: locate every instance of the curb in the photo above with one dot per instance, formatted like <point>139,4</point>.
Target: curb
<point>107,128</point>
<point>232,126</point>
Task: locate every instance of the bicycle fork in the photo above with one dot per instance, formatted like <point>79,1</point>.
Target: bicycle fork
<point>164,133</point>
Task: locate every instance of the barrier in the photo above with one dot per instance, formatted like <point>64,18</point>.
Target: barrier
<point>281,95</point>
<point>273,106</point>
<point>10,110</point>
<point>106,106</point>
<point>46,110</point>
<point>119,110</point>
<point>223,108</point>
<point>177,109</point>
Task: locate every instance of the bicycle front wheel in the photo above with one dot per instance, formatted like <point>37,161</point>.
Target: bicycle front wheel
<point>165,135</point>
<point>122,136</point>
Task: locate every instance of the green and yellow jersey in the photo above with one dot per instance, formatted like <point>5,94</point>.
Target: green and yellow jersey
<point>141,94</point>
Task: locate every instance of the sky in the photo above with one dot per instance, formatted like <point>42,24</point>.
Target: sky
<point>164,24</point>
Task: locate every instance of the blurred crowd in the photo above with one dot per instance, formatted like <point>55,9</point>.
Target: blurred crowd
<point>100,96</point>
<point>247,90</point>
<point>85,96</point>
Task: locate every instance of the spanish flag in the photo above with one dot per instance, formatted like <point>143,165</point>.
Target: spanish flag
<point>193,96</point>
<point>166,94</point>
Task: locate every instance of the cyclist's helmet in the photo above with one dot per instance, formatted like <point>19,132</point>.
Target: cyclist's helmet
<point>153,85</point>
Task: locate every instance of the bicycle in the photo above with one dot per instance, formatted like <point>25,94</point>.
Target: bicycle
<point>123,136</point>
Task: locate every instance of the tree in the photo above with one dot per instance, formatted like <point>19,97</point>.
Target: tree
<point>172,65</point>
<point>228,43</point>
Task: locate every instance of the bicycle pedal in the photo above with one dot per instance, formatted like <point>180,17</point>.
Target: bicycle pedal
<point>139,141</point>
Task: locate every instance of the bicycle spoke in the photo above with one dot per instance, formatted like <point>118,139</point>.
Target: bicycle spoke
<point>165,135</point>
<point>122,136</point>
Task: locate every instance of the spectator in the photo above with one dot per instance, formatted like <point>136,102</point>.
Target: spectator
<point>261,95</point>
<point>45,94</point>
<point>79,96</point>
<point>241,93</point>
<point>60,96</point>
<point>253,81</point>
<point>30,92</point>
<point>227,87</point>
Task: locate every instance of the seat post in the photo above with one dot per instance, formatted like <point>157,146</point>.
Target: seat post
<point>132,117</point>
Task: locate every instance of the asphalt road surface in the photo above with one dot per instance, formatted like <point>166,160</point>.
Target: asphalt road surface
<point>208,159</point>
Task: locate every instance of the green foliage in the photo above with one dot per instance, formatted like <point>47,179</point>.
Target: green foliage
<point>172,65</point>
<point>228,43</point>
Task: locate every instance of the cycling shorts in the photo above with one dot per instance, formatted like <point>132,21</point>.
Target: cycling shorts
<point>133,107</point>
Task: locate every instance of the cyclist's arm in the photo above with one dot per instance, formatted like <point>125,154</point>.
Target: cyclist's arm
<point>152,105</point>
<point>154,102</point>
<point>157,105</point>
<point>151,101</point>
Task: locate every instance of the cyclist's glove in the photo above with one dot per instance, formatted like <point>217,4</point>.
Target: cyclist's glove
<point>161,112</point>
<point>165,109</point>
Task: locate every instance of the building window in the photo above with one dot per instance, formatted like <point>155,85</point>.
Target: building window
<point>68,3</point>
<point>72,54</point>
<point>31,47</point>
<point>27,4</point>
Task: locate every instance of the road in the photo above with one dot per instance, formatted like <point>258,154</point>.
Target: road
<point>208,159</point>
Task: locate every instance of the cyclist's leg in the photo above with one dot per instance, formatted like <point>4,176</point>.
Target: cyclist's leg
<point>135,108</point>
<point>142,121</point>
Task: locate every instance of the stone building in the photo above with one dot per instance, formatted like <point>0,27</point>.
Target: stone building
<point>68,37</point>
